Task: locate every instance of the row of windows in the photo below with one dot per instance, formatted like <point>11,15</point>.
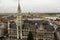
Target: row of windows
<point>12,37</point>
<point>13,32</point>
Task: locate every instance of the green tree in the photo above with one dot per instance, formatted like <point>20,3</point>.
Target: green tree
<point>30,36</point>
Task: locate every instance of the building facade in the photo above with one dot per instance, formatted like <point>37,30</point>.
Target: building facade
<point>40,30</point>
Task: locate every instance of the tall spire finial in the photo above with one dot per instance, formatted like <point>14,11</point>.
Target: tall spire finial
<point>19,6</point>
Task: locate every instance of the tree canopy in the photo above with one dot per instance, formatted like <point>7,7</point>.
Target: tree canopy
<point>30,36</point>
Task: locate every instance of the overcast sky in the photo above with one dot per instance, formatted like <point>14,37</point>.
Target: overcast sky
<point>42,6</point>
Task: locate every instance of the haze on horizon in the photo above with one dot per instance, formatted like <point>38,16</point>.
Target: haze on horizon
<point>40,6</point>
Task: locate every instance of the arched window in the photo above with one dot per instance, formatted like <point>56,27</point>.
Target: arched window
<point>12,24</point>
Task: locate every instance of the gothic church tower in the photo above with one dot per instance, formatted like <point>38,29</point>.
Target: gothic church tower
<point>19,22</point>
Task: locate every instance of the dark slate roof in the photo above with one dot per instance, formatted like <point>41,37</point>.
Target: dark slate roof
<point>32,27</point>
<point>49,27</point>
<point>46,24</point>
<point>58,29</point>
<point>36,21</point>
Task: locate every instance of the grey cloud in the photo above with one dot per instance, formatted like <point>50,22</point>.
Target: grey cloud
<point>41,6</point>
<point>30,6</point>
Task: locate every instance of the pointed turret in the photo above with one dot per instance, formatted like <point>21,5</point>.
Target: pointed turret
<point>19,9</point>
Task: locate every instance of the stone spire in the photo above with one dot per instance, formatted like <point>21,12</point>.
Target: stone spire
<point>19,22</point>
<point>19,9</point>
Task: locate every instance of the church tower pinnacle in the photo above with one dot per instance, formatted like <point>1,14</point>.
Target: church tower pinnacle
<point>19,22</point>
<point>19,9</point>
